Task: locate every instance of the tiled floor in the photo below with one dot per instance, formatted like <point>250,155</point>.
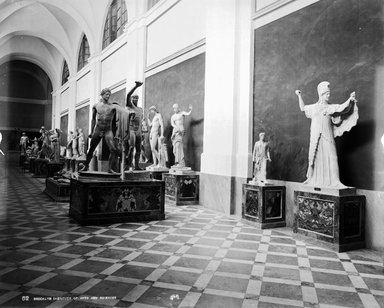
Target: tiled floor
<point>194,258</point>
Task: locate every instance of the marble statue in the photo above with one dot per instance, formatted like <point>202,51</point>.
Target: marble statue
<point>327,122</point>
<point>45,151</point>
<point>1,138</point>
<point>81,143</point>
<point>157,131</point>
<point>163,152</point>
<point>177,122</point>
<point>75,151</point>
<point>23,143</point>
<point>69,145</point>
<point>260,156</point>
<point>135,126</point>
<point>103,114</point>
<point>55,144</point>
<point>35,148</point>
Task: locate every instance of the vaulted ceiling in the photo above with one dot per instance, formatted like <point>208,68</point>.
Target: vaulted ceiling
<point>45,32</point>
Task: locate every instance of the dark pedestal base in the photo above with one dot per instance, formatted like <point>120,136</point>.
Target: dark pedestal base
<point>94,202</point>
<point>99,176</point>
<point>264,205</point>
<point>22,159</point>
<point>54,168</point>
<point>32,164</point>
<point>337,220</point>
<point>57,190</point>
<point>137,175</point>
<point>40,168</point>
<point>181,189</point>
<point>158,175</point>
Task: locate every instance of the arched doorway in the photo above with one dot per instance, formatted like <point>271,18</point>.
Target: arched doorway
<point>25,101</point>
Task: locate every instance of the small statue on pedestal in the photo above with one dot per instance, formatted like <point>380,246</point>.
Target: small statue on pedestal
<point>81,144</point>
<point>328,122</point>
<point>178,132</point>
<point>163,152</point>
<point>23,143</point>
<point>75,151</point>
<point>260,156</point>
<point>135,126</point>
<point>55,145</point>
<point>156,125</point>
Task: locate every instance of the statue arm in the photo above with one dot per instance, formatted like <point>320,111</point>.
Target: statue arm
<point>93,122</point>
<point>189,112</point>
<point>301,102</point>
<point>137,85</point>
<point>161,125</point>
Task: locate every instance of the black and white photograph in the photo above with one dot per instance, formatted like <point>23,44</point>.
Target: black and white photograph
<point>192,153</point>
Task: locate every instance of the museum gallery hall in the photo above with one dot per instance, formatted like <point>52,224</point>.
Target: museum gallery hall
<point>191,153</point>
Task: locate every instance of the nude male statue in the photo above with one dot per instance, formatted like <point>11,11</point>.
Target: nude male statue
<point>135,126</point>
<point>103,114</point>
<point>177,122</point>
<point>23,143</point>
<point>156,126</point>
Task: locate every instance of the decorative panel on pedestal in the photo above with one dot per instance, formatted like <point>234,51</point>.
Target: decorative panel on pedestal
<point>182,189</point>
<point>339,220</point>
<point>264,204</point>
<point>97,201</point>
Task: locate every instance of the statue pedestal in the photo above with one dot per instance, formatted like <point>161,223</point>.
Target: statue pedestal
<point>264,203</point>
<point>96,201</point>
<point>182,189</point>
<point>59,190</point>
<point>32,164</point>
<point>331,215</point>
<point>22,159</point>
<point>54,167</point>
<point>157,172</point>
<point>137,175</point>
<point>40,169</point>
<point>99,176</point>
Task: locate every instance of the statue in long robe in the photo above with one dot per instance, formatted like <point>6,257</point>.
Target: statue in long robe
<point>328,122</point>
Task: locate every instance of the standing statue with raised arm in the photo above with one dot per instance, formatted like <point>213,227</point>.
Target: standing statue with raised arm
<point>135,126</point>
<point>328,122</point>
<point>157,127</point>
<point>177,122</point>
<point>103,115</point>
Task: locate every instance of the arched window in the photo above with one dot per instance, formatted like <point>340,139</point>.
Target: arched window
<point>151,3</point>
<point>116,19</point>
<point>83,54</point>
<point>65,75</point>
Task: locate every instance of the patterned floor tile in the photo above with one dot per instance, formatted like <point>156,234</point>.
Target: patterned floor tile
<point>193,258</point>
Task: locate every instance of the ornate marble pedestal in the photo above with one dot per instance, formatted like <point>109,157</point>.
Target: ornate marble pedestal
<point>40,169</point>
<point>58,189</point>
<point>333,216</point>
<point>181,189</point>
<point>96,201</point>
<point>264,204</point>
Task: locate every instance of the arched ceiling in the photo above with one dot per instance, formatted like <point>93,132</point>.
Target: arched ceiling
<point>46,32</point>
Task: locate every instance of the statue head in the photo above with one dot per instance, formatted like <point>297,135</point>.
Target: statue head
<point>175,107</point>
<point>105,94</point>
<point>134,99</point>
<point>23,133</point>
<point>323,90</point>
<point>152,109</point>
<point>262,136</point>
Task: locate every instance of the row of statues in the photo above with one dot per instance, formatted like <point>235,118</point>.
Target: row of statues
<point>50,145</point>
<point>122,130</point>
<point>327,122</point>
